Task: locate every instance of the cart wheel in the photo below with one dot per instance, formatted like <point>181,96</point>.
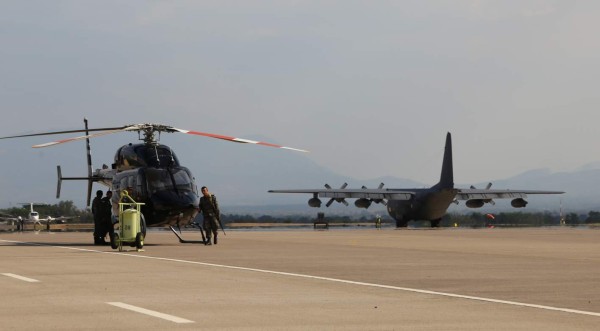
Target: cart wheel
<point>139,240</point>
<point>114,238</point>
<point>143,224</point>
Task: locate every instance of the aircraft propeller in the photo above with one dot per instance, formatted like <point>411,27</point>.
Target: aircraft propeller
<point>381,201</point>
<point>487,187</point>
<point>340,200</point>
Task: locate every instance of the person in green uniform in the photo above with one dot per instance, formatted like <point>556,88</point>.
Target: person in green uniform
<point>209,207</point>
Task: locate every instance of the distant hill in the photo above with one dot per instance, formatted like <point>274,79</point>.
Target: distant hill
<point>582,188</point>
<point>271,170</point>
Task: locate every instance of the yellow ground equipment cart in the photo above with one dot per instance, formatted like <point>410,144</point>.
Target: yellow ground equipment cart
<point>130,224</point>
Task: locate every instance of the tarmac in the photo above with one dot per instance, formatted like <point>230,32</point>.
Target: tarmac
<point>410,279</point>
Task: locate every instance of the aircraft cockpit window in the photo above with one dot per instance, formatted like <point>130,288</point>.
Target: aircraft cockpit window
<point>157,156</point>
<point>138,186</point>
<point>160,180</point>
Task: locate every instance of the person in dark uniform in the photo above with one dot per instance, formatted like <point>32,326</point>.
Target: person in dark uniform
<point>209,207</point>
<point>97,212</point>
<point>106,216</point>
<point>20,224</point>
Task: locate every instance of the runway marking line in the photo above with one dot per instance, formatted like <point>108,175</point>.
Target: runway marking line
<point>25,279</point>
<point>337,280</point>
<point>152,313</point>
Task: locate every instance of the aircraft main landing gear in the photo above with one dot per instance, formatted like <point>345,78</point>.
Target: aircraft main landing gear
<point>401,223</point>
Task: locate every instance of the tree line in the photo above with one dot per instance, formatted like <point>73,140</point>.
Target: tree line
<point>63,208</point>
<point>473,219</point>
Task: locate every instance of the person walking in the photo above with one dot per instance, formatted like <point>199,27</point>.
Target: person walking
<point>209,207</point>
<point>97,212</point>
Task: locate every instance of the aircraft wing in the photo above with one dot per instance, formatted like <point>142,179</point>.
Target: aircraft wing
<point>61,219</point>
<point>388,194</point>
<point>483,194</point>
<point>6,217</point>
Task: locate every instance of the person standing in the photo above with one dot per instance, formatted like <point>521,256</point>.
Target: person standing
<point>209,207</point>
<point>97,212</point>
<point>106,216</point>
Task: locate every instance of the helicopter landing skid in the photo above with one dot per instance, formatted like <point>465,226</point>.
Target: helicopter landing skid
<point>183,241</point>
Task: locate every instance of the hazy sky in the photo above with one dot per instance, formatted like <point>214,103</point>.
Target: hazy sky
<point>369,87</point>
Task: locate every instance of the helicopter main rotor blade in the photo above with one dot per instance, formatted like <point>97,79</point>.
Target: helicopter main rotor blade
<point>52,143</point>
<point>237,140</point>
<point>148,131</point>
<point>62,132</point>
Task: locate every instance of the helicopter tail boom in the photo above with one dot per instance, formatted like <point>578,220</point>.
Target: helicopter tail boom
<point>90,180</point>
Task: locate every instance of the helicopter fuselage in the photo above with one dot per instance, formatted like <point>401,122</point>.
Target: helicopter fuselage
<point>152,175</point>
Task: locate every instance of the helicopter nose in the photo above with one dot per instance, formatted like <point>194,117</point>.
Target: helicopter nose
<point>170,200</point>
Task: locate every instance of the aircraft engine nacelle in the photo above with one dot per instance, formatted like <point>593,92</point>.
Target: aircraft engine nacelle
<point>362,203</point>
<point>475,203</point>
<point>314,202</point>
<point>518,203</point>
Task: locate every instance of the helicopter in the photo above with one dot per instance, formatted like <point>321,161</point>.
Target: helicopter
<point>149,171</point>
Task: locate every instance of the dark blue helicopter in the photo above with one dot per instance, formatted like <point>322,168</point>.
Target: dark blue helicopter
<point>149,171</point>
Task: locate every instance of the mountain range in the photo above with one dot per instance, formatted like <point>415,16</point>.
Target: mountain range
<point>240,175</point>
<point>250,173</point>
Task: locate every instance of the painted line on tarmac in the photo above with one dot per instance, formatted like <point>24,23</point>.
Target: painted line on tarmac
<point>337,280</point>
<point>152,313</point>
<point>25,279</point>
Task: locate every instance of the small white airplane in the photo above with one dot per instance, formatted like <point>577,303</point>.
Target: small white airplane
<point>34,218</point>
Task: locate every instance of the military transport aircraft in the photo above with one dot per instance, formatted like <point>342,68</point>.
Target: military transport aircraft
<point>34,218</point>
<point>149,171</point>
<point>430,204</point>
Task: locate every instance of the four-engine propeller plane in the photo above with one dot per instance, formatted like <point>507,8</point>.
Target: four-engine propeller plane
<point>430,204</point>
<point>149,171</point>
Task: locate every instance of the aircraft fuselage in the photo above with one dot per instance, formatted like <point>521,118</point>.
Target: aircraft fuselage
<point>152,175</point>
<point>169,195</point>
<point>428,204</point>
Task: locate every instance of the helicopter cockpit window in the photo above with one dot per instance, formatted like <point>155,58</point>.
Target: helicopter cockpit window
<point>138,186</point>
<point>157,156</point>
<point>160,180</point>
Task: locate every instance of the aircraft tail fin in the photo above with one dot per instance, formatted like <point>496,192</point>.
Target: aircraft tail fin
<point>447,176</point>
